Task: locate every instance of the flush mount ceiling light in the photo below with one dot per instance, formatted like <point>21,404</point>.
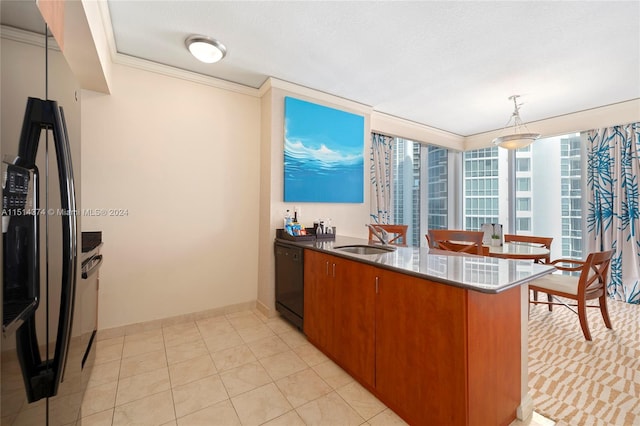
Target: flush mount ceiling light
<point>205,49</point>
<point>521,136</point>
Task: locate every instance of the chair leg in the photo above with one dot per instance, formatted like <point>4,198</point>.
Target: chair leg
<point>550,300</point>
<point>604,311</point>
<point>582,314</point>
<point>535,295</point>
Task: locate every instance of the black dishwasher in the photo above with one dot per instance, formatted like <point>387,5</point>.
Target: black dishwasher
<point>290,282</point>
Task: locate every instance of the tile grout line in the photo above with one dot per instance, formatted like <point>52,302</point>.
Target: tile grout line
<point>115,397</point>
<point>235,409</point>
<point>166,358</point>
<point>275,335</point>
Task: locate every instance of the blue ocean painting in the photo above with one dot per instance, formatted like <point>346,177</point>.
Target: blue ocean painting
<point>323,154</point>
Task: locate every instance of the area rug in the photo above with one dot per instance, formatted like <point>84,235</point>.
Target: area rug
<point>576,382</point>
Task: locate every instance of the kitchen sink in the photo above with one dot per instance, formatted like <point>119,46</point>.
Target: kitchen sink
<point>365,249</point>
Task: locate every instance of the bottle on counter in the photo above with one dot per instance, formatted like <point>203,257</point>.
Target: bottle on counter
<point>288,223</point>
<point>288,220</point>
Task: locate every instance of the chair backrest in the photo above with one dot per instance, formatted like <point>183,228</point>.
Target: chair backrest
<point>429,243</point>
<point>397,233</point>
<point>458,240</point>
<point>541,241</point>
<point>594,274</point>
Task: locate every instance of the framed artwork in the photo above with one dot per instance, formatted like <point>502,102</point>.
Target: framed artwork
<point>323,154</point>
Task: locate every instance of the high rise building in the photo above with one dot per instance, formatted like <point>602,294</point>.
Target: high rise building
<point>481,187</point>
<point>571,154</point>
<point>547,185</point>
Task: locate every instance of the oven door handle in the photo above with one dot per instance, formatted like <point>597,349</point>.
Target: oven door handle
<point>94,267</point>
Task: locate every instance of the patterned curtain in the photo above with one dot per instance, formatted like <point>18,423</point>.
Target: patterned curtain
<point>613,219</point>
<point>381,178</point>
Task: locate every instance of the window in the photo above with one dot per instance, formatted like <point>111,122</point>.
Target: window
<point>548,184</point>
<point>523,184</point>
<point>523,224</point>
<point>523,164</point>
<point>523,204</point>
<point>421,188</point>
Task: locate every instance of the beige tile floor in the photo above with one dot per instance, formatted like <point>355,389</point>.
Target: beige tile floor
<point>234,369</point>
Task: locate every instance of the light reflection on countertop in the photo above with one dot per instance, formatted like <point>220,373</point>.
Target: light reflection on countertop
<point>479,273</point>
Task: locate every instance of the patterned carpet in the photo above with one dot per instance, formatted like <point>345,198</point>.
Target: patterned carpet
<point>575,382</point>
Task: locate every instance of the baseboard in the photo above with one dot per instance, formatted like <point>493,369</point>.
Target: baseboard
<point>178,319</point>
<point>265,310</point>
<point>525,409</point>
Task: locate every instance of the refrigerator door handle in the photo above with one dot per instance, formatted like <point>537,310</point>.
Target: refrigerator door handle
<point>69,249</point>
<point>43,378</point>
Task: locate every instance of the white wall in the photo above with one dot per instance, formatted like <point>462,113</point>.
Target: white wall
<point>348,218</point>
<point>182,159</point>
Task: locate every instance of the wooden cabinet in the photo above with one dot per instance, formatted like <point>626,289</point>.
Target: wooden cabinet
<point>420,349</point>
<point>354,319</point>
<point>493,356</point>
<point>434,353</point>
<point>339,309</point>
<point>318,299</point>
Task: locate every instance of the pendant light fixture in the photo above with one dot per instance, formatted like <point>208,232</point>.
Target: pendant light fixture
<point>520,136</point>
<point>205,49</point>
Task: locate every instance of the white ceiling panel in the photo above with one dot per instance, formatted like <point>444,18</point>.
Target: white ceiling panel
<point>446,64</point>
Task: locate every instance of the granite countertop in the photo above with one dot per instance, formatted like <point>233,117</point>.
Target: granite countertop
<point>478,273</point>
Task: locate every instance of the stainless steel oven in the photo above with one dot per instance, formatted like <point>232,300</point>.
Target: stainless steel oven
<point>88,296</point>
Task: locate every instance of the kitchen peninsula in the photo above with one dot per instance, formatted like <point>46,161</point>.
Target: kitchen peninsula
<point>435,335</point>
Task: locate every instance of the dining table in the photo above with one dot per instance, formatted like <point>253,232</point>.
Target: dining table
<point>516,250</point>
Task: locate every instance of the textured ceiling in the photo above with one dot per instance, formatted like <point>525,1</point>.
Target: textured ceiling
<point>450,65</point>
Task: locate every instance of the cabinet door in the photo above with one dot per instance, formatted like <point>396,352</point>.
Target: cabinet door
<point>354,319</point>
<point>420,349</point>
<point>318,299</point>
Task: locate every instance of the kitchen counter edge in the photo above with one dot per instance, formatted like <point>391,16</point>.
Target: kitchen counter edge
<point>329,247</point>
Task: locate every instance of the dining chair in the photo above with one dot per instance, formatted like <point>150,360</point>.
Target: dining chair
<point>457,240</point>
<point>539,241</point>
<point>429,242</point>
<point>591,284</point>
<point>397,233</point>
<point>529,239</point>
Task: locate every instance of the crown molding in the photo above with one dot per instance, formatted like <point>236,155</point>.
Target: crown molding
<point>274,83</point>
<point>107,27</point>
<point>407,129</point>
<point>27,37</point>
<point>170,71</point>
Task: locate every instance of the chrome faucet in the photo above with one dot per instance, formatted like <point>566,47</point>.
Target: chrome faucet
<point>380,233</point>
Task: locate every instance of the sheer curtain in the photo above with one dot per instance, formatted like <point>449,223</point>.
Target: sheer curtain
<point>381,178</point>
<point>613,217</point>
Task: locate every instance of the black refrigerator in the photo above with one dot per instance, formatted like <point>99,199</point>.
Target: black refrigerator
<point>42,349</point>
